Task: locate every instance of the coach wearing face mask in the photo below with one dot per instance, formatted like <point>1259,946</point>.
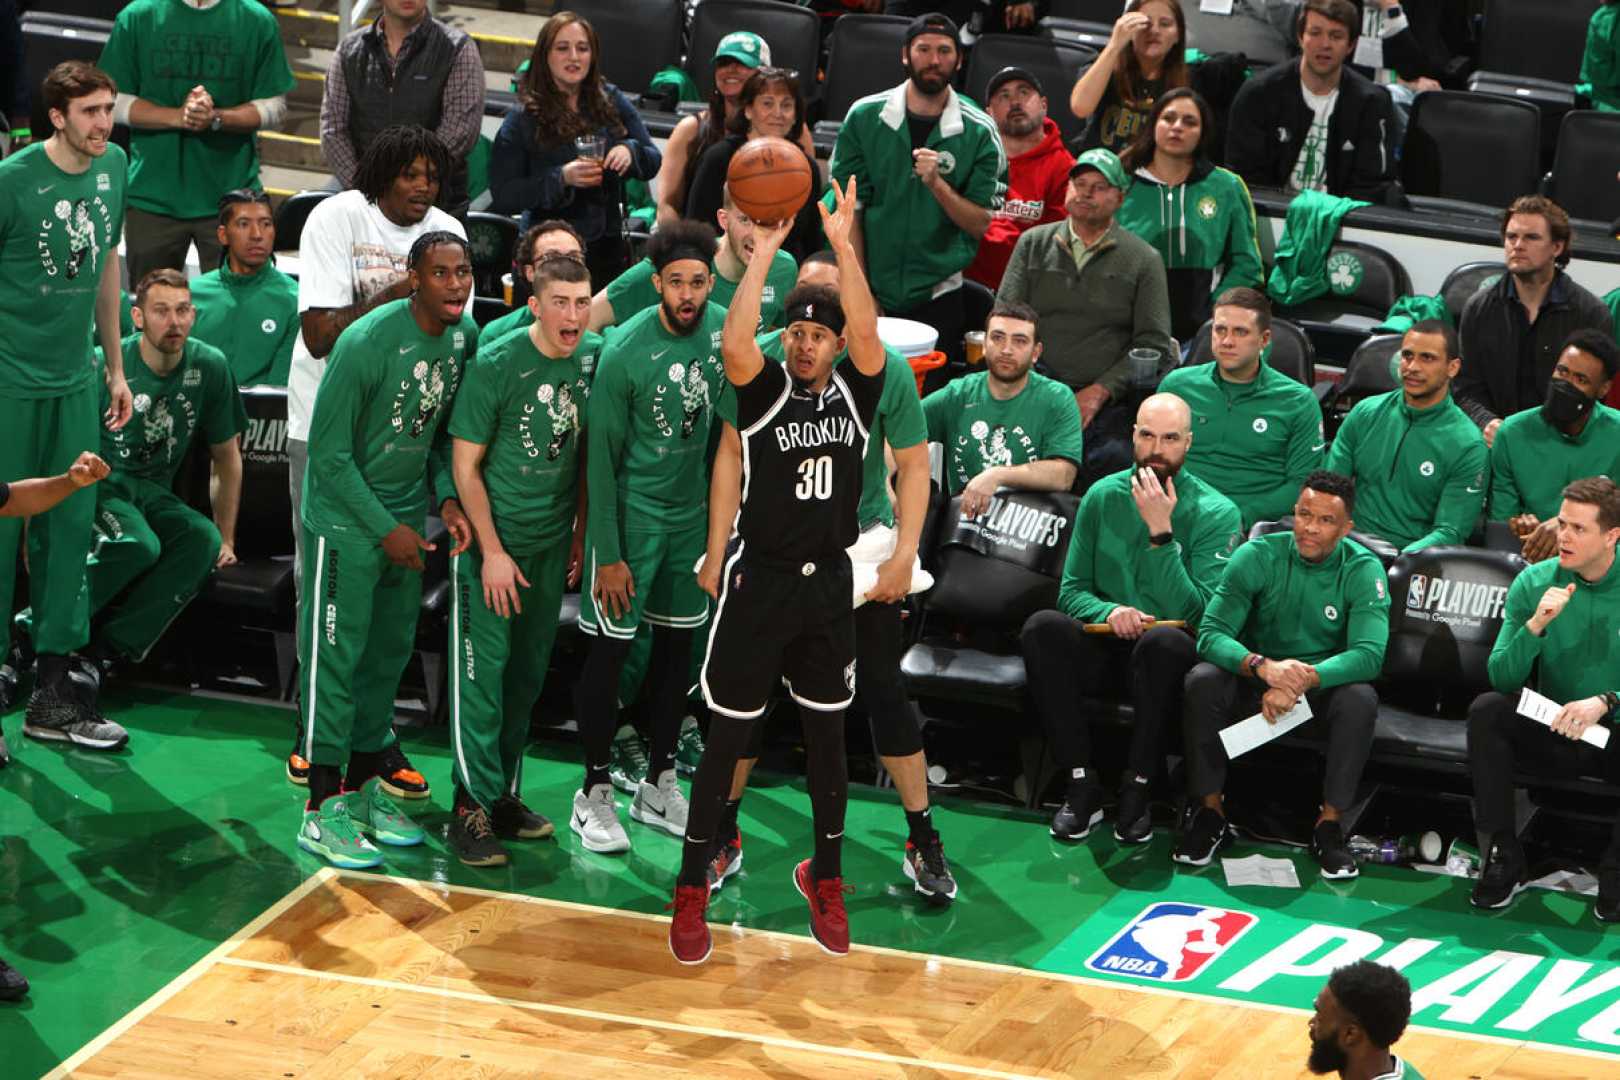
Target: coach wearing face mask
<point>1572,435</point>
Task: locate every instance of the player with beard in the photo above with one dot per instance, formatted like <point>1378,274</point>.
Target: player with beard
<point>1150,543</point>
<point>647,479</point>
<point>1360,1014</point>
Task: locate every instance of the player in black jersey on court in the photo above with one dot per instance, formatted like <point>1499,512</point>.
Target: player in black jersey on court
<point>784,613</point>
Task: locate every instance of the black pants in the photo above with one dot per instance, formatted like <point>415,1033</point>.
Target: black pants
<point>1064,663</point>
<point>1500,742</point>
<point>944,313</point>
<point>1216,699</point>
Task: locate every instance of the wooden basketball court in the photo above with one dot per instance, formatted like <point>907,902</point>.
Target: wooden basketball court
<point>358,975</point>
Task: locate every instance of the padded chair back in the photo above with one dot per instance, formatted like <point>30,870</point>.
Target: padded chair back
<point>1538,38</point>
<point>1291,351</point>
<point>1472,147</point>
<point>264,522</point>
<point>1056,63</point>
<point>292,215</point>
<point>1364,279</point>
<point>863,57</point>
<point>793,33</point>
<point>640,37</point>
<point>1466,280</point>
<point>1444,614</point>
<point>47,40</point>
<point>493,239</point>
<point>977,301</point>
<point>998,570</point>
<point>1586,164</point>
<point>1370,370</point>
<point>1238,32</point>
<point>1387,553</point>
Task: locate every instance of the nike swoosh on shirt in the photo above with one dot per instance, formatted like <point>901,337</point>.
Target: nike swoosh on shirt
<point>526,374</point>
<point>1319,446</point>
<point>403,349</point>
<point>44,189</point>
<point>1475,491</point>
<point>660,352</point>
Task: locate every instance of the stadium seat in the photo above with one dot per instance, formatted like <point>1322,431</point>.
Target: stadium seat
<point>640,37</point>
<point>1466,148</point>
<point>1096,11</point>
<point>1466,280</point>
<point>292,214</point>
<point>1087,32</point>
<point>792,32</point>
<point>1387,553</point>
<point>1056,63</point>
<point>977,300</point>
<point>863,57</point>
<point>493,239</point>
<point>1291,351</point>
<point>1236,33</point>
<point>1364,282</point>
<point>1586,165</point>
<point>1529,48</point>
<point>1369,372</point>
<point>49,39</point>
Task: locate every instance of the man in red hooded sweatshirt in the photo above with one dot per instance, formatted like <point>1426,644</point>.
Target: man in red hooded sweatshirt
<point>1037,169</point>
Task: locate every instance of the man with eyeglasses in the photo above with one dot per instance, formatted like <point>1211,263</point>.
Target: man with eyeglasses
<point>551,237</point>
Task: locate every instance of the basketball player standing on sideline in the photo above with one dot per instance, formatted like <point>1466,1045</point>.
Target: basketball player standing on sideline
<point>784,605</point>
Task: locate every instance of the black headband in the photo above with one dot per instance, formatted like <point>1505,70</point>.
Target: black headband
<point>681,251</point>
<point>818,311</point>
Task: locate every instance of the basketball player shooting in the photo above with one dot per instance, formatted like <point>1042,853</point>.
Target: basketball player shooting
<point>784,613</point>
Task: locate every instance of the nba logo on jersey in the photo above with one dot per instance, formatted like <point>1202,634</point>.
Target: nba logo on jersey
<point>1171,942</point>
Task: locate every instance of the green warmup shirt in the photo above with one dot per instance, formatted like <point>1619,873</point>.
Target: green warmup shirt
<point>252,319</point>
<point>199,397</point>
<point>528,410</point>
<point>1111,561</point>
<point>1532,461</point>
<point>1420,473</point>
<point>382,399</point>
<point>56,231</point>
<point>158,51</point>
<point>1578,652</point>
<point>899,422</point>
<point>652,405</point>
<point>980,432</point>
<point>1253,442</point>
<point>633,290</point>
<point>1333,614</point>
<point>519,318</point>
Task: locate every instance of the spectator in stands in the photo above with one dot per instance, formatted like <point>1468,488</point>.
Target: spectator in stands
<point>1298,615</point>
<point>1399,48</point>
<point>1196,216</point>
<point>1005,426</point>
<point>14,85</point>
<point>929,171</point>
<point>1150,544</point>
<point>1145,56</point>
<point>978,17</point>
<point>550,237</point>
<point>247,308</point>
<point>1038,167</point>
<point>1100,291</point>
<point>537,168</point>
<point>1416,458</point>
<point>1513,332</point>
<point>1259,432</point>
<point>1600,65</point>
<point>1316,126</point>
<point>1559,622</point>
<point>771,104</point>
<point>1541,450</point>
<point>1360,1014</point>
<point>407,67</point>
<point>196,80</point>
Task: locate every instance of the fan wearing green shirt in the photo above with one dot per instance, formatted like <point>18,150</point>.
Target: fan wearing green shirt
<point>1006,426</point>
<point>1540,450</point>
<point>1417,460</point>
<point>1360,1014</point>
<point>1256,432</point>
<point>247,308</point>
<point>1298,616</point>
<point>553,237</point>
<point>1559,638</point>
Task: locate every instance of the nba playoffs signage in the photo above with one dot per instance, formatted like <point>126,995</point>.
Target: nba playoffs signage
<point>1455,601</point>
<point>1026,528</point>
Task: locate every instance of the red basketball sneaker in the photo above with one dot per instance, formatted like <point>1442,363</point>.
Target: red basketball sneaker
<point>829,922</point>
<point>688,930</point>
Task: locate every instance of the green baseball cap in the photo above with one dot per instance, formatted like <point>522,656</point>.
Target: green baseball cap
<point>745,47</point>
<point>1104,161</point>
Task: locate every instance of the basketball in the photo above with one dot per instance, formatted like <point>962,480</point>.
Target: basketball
<point>769,179</point>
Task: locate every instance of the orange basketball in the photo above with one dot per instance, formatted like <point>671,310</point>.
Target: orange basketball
<point>769,179</point>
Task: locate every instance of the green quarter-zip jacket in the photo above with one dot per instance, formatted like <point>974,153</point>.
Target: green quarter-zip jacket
<point>1532,460</point>
<point>1111,562</point>
<point>1578,652</point>
<point>1420,473</point>
<point>251,318</point>
<point>1333,615</point>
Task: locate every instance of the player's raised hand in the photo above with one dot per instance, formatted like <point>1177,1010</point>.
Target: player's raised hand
<point>88,469</point>
<point>1550,606</point>
<point>404,546</point>
<point>839,225</point>
<point>120,402</point>
<point>455,520</point>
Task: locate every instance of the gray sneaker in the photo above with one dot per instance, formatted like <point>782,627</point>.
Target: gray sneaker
<point>627,760</point>
<point>56,716</point>
<point>661,805</point>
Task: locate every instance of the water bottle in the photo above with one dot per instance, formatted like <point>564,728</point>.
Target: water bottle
<point>1462,860</point>
<point>1397,851</point>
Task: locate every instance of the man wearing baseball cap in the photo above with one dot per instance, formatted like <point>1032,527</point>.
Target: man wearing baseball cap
<point>1100,292</point>
<point>1037,169</point>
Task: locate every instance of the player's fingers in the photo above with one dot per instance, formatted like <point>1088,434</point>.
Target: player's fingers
<point>521,580</point>
<point>514,599</point>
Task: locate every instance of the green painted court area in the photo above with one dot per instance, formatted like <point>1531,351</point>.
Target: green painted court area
<point>119,872</point>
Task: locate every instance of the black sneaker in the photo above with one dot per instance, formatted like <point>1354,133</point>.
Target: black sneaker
<point>399,777</point>
<point>1607,908</point>
<point>473,839</point>
<point>1081,809</point>
<point>930,874</point>
<point>1502,878</point>
<point>1206,834</point>
<point>514,821</point>
<point>1133,822</point>
<point>297,769</point>
<point>58,714</point>
<point>10,675</point>
<point>13,987</point>
<point>5,754</point>
<point>1331,853</point>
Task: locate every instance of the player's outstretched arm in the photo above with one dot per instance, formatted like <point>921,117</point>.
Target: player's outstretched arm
<point>855,296</point>
<point>741,352</point>
<point>28,497</point>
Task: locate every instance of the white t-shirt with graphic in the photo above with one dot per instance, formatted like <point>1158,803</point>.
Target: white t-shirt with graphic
<point>1310,168</point>
<point>349,253</point>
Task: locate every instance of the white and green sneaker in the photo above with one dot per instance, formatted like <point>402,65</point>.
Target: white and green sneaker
<point>661,805</point>
<point>627,761</point>
<point>689,747</point>
<point>379,817</point>
<point>330,833</point>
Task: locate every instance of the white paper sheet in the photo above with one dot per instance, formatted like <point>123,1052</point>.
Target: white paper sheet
<point>1245,735</point>
<point>1543,710</point>
<point>1261,870</point>
<point>1215,7</point>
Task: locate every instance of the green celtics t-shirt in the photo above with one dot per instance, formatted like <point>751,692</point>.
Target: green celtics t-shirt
<point>979,432</point>
<point>519,318</point>
<point>528,410</point>
<point>56,231</point>
<point>159,50</point>
<point>633,290</point>
<point>199,397</point>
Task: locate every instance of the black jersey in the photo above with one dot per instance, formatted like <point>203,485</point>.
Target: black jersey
<point>802,455</point>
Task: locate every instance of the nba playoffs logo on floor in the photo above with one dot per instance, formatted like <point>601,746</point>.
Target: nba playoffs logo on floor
<point>1171,942</point>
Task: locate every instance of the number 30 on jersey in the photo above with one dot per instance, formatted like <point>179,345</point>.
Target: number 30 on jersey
<point>815,478</point>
